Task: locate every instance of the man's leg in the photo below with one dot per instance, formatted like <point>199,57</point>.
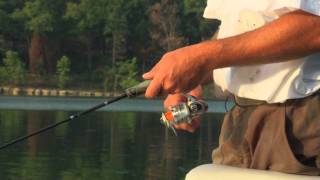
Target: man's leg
<point>256,137</point>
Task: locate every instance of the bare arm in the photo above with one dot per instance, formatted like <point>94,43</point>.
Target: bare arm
<point>294,35</point>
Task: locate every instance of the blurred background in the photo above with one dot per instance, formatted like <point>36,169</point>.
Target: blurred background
<point>101,46</point>
<point>93,44</point>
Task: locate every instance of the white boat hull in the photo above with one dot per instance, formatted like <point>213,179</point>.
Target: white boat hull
<point>219,172</point>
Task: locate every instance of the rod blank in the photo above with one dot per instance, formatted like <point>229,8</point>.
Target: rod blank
<point>130,92</point>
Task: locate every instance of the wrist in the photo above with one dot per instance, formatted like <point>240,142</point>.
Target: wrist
<point>210,51</point>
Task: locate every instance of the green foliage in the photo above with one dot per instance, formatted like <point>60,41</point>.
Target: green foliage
<point>13,70</point>
<point>40,69</point>
<point>106,19</point>
<point>121,76</point>
<point>86,14</point>
<point>63,71</point>
<point>128,73</point>
<point>116,19</point>
<point>36,15</point>
<point>108,15</point>
<point>99,34</point>
<point>196,27</point>
<point>8,25</point>
<point>194,6</point>
<point>3,75</point>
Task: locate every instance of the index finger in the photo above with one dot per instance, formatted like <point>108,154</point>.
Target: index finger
<point>150,74</point>
<point>154,88</point>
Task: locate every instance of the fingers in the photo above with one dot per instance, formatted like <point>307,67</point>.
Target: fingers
<point>185,127</point>
<point>174,99</point>
<point>154,89</point>
<point>151,74</point>
<point>195,124</point>
<point>157,89</point>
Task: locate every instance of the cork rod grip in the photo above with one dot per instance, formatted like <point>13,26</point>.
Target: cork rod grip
<point>138,89</point>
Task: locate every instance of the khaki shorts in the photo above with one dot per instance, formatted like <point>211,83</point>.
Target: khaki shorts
<point>281,137</point>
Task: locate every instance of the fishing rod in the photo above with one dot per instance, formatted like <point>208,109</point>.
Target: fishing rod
<point>185,112</point>
<point>130,92</point>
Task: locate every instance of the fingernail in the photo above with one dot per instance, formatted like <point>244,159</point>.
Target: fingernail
<point>145,75</point>
<point>147,96</point>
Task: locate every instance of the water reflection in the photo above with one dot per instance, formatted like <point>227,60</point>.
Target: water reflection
<point>103,145</point>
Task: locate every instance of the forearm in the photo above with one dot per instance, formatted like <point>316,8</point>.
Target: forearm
<point>294,35</point>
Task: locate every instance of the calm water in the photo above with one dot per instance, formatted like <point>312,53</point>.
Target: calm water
<point>123,142</point>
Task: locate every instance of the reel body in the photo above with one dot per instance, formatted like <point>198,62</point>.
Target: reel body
<point>184,112</point>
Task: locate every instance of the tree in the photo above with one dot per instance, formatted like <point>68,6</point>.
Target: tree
<point>98,33</point>
<point>13,70</point>
<point>139,43</point>
<point>121,76</point>
<point>166,20</point>
<point>40,18</point>
<point>87,17</point>
<point>116,27</point>
<point>196,28</point>
<point>12,35</point>
<point>101,18</point>
<point>63,71</point>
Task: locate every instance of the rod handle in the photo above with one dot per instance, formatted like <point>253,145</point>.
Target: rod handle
<point>138,89</point>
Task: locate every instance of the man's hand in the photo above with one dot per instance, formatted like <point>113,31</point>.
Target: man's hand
<point>178,71</point>
<point>176,99</point>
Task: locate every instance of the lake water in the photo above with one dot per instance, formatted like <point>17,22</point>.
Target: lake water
<point>123,141</point>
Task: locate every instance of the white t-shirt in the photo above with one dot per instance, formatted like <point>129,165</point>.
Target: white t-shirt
<point>274,82</point>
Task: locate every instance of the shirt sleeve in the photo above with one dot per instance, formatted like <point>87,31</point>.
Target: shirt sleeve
<point>212,9</point>
<point>311,6</point>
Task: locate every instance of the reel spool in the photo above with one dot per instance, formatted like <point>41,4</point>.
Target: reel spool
<point>183,112</point>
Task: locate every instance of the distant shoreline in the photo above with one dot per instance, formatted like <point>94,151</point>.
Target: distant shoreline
<point>56,92</point>
<point>32,91</point>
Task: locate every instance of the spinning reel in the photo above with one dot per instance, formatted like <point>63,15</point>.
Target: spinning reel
<point>184,112</point>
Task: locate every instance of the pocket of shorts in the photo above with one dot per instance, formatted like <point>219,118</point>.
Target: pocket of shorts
<point>298,167</point>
